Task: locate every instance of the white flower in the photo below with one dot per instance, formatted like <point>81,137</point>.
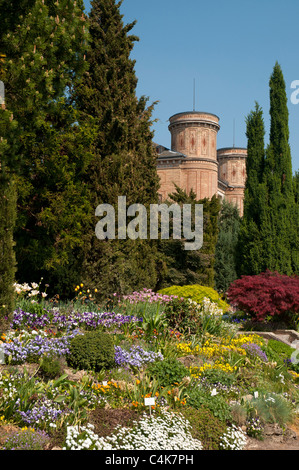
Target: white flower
<point>170,431</point>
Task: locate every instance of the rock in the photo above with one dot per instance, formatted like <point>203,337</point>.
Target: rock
<point>275,432</point>
<point>190,360</point>
<point>271,430</point>
<point>290,434</point>
<point>74,376</point>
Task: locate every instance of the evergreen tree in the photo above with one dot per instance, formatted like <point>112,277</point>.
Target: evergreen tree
<point>296,187</point>
<point>281,246</point>
<point>269,230</point>
<point>250,252</point>
<point>7,199</point>
<point>7,211</point>
<point>44,44</point>
<point>184,267</point>
<point>226,247</point>
<point>7,253</point>
<point>124,162</point>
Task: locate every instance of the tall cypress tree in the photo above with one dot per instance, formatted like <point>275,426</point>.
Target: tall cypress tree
<point>250,253</point>
<point>123,163</point>
<point>281,247</point>
<point>269,231</point>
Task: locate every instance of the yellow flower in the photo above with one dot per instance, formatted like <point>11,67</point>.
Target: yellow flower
<point>96,290</point>
<point>81,285</point>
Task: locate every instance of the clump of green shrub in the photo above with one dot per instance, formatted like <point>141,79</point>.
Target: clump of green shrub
<point>50,367</point>
<point>196,293</point>
<point>205,427</point>
<point>272,408</point>
<point>216,404</point>
<point>94,350</point>
<point>280,352</point>
<point>168,372</point>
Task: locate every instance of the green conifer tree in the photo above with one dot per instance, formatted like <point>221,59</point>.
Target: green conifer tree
<point>7,253</point>
<point>44,44</point>
<point>7,199</point>
<point>281,246</point>
<point>8,206</point>
<point>124,162</point>
<point>269,230</point>
<point>226,247</point>
<point>250,252</point>
<point>185,267</point>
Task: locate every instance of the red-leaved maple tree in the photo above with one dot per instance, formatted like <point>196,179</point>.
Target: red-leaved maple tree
<point>265,294</point>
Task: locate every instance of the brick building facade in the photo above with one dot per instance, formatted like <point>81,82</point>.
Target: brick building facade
<point>194,162</point>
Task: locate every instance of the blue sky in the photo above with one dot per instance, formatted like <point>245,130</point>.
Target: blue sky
<point>229,48</point>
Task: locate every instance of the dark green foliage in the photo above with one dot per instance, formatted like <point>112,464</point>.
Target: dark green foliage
<point>226,246</point>
<point>296,187</point>
<point>250,257</point>
<point>93,350</point>
<point>7,254</point>
<point>186,267</point>
<point>217,404</point>
<point>50,367</point>
<point>205,427</point>
<point>168,372</point>
<point>269,231</point>
<point>44,45</point>
<point>123,161</point>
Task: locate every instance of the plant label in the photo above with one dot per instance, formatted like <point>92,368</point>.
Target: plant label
<point>150,401</point>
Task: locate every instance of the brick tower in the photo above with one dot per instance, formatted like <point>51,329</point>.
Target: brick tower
<point>232,172</point>
<point>192,161</point>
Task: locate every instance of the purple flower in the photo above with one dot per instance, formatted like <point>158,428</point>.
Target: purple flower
<point>20,351</point>
<point>136,357</point>
<point>71,320</point>
<point>254,350</point>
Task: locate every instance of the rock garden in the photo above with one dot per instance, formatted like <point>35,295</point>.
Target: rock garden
<point>179,369</point>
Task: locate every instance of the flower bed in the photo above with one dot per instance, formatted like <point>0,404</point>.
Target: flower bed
<point>215,370</point>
